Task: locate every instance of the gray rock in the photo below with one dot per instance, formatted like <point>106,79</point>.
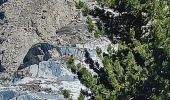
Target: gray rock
<point>36,54</point>
<point>19,95</point>
<point>7,95</point>
<point>51,69</point>
<point>24,20</point>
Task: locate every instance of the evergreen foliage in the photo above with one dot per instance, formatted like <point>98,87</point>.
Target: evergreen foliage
<point>81,97</point>
<point>81,5</point>
<point>66,93</point>
<point>90,24</point>
<point>140,69</point>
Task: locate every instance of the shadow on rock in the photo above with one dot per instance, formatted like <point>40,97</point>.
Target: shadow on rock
<point>2,15</point>
<point>37,53</point>
<point>2,69</point>
<point>2,1</point>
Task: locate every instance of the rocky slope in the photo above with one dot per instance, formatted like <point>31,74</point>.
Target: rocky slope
<point>36,39</point>
<point>27,22</point>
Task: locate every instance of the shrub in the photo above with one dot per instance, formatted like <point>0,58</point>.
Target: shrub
<point>79,4</point>
<point>98,33</point>
<point>85,10</point>
<point>98,50</point>
<point>66,93</point>
<point>81,97</point>
<point>90,24</point>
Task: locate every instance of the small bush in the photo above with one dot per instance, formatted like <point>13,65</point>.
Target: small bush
<point>90,24</point>
<point>66,93</point>
<point>70,60</point>
<point>98,33</point>
<point>79,4</point>
<point>85,10</point>
<point>70,63</point>
<point>81,97</point>
<point>98,50</point>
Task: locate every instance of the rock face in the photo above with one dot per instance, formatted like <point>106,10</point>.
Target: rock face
<point>37,54</point>
<point>36,39</point>
<point>41,57</point>
<point>14,95</point>
<point>45,65</point>
<point>27,22</point>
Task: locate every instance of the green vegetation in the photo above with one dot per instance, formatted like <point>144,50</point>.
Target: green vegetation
<point>80,5</point>
<point>81,97</point>
<point>66,93</point>
<point>140,69</point>
<point>91,27</point>
<point>85,10</point>
<point>71,65</point>
<point>99,51</point>
<point>90,24</point>
<point>98,33</point>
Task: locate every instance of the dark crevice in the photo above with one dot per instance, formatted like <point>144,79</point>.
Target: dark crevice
<point>2,15</point>
<point>2,40</point>
<point>2,69</point>
<point>2,2</point>
<point>92,64</point>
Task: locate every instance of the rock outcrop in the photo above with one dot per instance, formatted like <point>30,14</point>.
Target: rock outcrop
<point>27,22</point>
<point>36,39</point>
